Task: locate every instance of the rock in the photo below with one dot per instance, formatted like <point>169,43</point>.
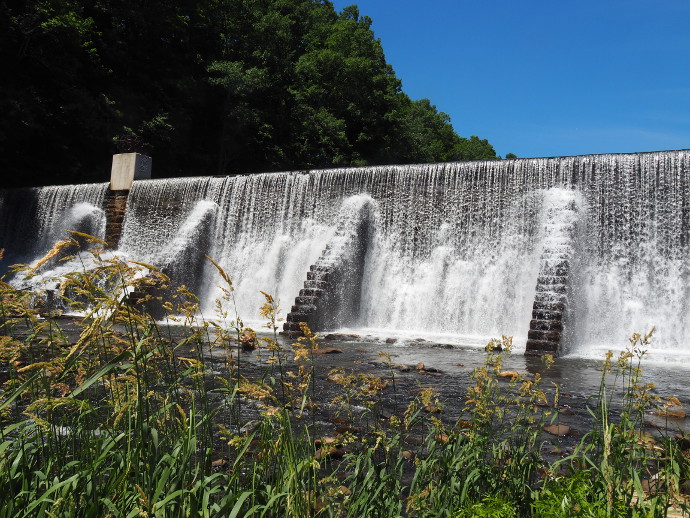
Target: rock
<point>654,424</point>
<point>414,440</point>
<point>566,411</point>
<point>671,414</point>
<point>441,437</point>
<point>385,415</point>
<point>404,368</point>
<point>683,441</point>
<point>419,340</point>
<point>420,366</point>
<point>557,429</point>
<point>654,485</point>
<point>341,336</point>
<point>327,350</point>
<point>329,452</point>
<point>339,420</point>
<point>219,465</point>
<point>544,473</point>
<point>685,487</point>
<point>248,340</point>
<point>432,409</point>
<point>336,377</point>
<point>391,340</point>
<point>407,455</point>
<point>509,374</point>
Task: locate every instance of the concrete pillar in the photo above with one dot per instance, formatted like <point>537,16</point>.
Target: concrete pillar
<point>126,168</point>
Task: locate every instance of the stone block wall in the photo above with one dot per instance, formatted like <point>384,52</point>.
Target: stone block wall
<point>332,290</point>
<point>550,305</point>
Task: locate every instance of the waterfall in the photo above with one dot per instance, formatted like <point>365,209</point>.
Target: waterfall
<point>634,257</point>
<point>455,249</point>
<point>32,220</point>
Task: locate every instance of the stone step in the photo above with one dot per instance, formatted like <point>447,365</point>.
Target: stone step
<point>546,336</point>
<point>550,262</point>
<point>299,317</point>
<point>290,326</point>
<point>311,292</point>
<point>547,314</point>
<point>552,280</point>
<point>291,329</point>
<point>318,275</point>
<point>559,289</point>
<point>306,300</point>
<point>545,300</point>
<point>303,308</point>
<point>557,255</point>
<point>322,265</point>
<point>546,325</point>
<point>321,285</point>
<point>540,347</point>
<point>556,270</point>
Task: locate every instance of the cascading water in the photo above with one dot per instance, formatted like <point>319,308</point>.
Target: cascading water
<point>634,256</point>
<point>456,248</point>
<point>32,220</point>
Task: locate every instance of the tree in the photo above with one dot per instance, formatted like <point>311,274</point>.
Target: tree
<point>54,113</point>
<point>473,148</point>
<point>224,86</point>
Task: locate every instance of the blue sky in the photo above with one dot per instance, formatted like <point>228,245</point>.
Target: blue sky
<point>546,77</point>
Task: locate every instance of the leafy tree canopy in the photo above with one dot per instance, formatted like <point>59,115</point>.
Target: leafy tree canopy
<point>205,86</point>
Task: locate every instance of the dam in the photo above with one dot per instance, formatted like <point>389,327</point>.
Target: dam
<point>568,255</point>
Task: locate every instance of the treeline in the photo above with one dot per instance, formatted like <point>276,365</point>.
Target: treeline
<point>205,87</point>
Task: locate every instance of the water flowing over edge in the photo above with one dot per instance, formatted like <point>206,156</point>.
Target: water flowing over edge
<point>456,248</point>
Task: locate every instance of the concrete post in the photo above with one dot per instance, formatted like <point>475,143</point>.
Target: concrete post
<point>126,168</point>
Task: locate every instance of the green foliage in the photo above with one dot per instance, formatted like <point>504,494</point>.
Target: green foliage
<point>576,496</point>
<point>489,508</point>
<point>206,86</point>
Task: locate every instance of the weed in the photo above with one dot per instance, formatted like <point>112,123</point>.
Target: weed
<point>129,418</point>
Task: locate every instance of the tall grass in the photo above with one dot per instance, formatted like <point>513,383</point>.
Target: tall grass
<point>118,421</point>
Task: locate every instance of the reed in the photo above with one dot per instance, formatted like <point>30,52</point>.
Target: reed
<point>118,421</point>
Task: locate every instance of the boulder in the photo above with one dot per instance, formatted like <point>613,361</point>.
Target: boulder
<point>327,350</point>
<point>557,429</point>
